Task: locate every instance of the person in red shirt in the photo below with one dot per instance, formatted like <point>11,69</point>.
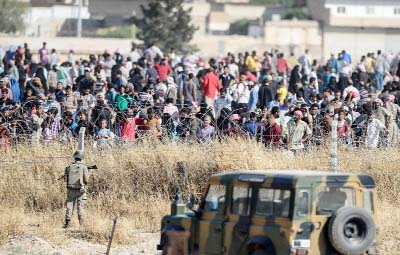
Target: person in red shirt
<point>210,87</point>
<point>282,65</point>
<point>272,133</point>
<point>163,69</point>
<point>127,126</point>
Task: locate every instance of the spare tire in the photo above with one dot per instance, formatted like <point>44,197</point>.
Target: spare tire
<point>351,230</point>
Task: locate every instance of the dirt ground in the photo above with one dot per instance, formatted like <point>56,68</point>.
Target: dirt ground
<point>34,245</point>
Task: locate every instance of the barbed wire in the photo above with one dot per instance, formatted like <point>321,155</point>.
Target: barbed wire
<point>21,131</point>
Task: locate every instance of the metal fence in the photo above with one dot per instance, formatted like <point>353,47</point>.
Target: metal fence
<point>47,122</point>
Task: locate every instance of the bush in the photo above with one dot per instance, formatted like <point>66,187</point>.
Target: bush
<point>137,183</point>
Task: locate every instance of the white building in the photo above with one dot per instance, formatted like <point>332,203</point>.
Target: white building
<point>359,26</point>
<point>45,18</point>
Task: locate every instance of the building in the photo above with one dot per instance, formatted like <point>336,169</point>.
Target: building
<point>45,18</point>
<point>357,26</point>
<point>222,15</point>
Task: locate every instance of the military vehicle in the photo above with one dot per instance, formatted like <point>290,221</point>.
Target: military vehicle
<point>279,213</point>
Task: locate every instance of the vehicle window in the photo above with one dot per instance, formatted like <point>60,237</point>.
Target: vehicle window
<point>330,199</point>
<point>273,202</point>
<point>368,197</point>
<point>215,199</point>
<point>302,202</point>
<point>241,198</point>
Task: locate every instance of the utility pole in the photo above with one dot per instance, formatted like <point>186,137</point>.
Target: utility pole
<point>79,23</point>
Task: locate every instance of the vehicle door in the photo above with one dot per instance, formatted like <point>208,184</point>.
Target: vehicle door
<point>272,218</point>
<point>213,218</point>
<point>238,225</point>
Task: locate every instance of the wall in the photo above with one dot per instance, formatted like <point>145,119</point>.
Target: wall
<point>81,46</point>
<point>199,14</point>
<point>46,21</point>
<point>359,41</point>
<point>294,34</point>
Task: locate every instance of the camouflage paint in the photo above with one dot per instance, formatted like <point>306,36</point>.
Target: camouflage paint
<point>228,233</point>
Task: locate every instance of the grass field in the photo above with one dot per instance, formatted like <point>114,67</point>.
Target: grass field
<point>136,185</point>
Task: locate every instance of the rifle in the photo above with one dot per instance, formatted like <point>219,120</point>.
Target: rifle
<point>93,167</point>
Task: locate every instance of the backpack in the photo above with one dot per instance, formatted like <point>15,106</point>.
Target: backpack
<point>75,176</point>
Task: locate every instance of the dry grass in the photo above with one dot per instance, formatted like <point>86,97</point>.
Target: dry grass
<point>136,184</point>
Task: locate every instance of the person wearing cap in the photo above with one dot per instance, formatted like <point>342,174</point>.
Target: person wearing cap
<point>297,133</point>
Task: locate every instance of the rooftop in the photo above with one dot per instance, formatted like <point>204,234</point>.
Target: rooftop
<point>290,178</point>
<point>296,172</point>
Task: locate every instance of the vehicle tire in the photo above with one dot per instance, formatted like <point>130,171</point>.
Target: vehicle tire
<point>351,230</point>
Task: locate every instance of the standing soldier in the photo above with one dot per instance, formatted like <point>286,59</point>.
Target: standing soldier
<point>76,176</point>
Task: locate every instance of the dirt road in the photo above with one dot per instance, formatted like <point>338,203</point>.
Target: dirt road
<point>34,245</point>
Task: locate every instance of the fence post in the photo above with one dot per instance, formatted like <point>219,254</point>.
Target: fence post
<point>334,145</point>
<point>111,236</point>
<point>81,139</point>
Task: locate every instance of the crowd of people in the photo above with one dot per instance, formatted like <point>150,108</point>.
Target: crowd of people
<point>284,102</point>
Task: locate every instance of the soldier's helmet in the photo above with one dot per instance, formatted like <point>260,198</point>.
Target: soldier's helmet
<point>78,155</point>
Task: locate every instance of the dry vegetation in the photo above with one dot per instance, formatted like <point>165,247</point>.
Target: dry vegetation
<point>136,184</point>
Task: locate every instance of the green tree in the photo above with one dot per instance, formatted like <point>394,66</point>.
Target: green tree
<point>296,13</point>
<point>239,27</point>
<point>166,24</point>
<point>11,16</point>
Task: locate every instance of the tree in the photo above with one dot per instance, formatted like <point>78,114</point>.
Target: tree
<point>296,13</point>
<point>239,27</point>
<point>11,16</point>
<point>166,24</point>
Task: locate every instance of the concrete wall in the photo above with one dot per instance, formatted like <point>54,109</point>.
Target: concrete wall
<point>46,21</point>
<point>82,46</point>
<point>199,14</point>
<point>359,41</point>
<point>295,35</point>
<point>244,11</point>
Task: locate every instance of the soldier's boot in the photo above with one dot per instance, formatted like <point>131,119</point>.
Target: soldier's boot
<point>81,221</point>
<point>67,225</point>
